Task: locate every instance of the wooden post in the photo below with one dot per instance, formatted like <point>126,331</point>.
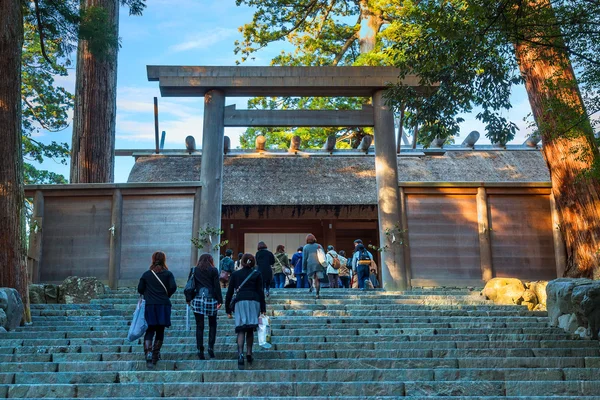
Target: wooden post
<point>393,269</point>
<point>196,225</point>
<point>211,170</point>
<point>485,244</point>
<point>560,253</point>
<point>156,125</point>
<point>405,242</point>
<point>34,254</point>
<point>116,223</point>
<point>400,131</point>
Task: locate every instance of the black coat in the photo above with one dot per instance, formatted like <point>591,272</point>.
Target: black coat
<point>153,291</point>
<point>252,290</point>
<point>264,262</point>
<point>208,279</point>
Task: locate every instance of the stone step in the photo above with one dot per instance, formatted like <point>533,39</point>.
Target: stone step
<point>367,334</point>
<point>191,347</point>
<point>346,345</point>
<point>318,313</point>
<point>49,326</point>
<point>312,354</point>
<point>332,375</point>
<point>339,388</point>
<point>355,398</point>
<point>312,364</point>
<point>328,300</point>
<point>342,331</point>
<point>41,348</point>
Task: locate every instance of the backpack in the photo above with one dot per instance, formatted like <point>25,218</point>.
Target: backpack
<point>364,258</point>
<point>335,262</point>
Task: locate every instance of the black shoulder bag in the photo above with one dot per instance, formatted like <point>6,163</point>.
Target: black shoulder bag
<point>235,292</point>
<point>190,291</point>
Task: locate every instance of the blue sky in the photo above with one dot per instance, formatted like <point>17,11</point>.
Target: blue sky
<point>190,32</point>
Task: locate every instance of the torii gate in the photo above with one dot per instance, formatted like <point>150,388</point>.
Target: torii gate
<point>216,83</point>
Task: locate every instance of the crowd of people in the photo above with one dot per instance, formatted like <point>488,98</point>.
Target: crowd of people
<point>333,269</point>
<point>248,281</point>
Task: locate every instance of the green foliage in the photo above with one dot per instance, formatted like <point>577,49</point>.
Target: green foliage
<point>322,32</point>
<point>205,238</point>
<point>52,29</point>
<point>464,46</point>
<point>468,48</point>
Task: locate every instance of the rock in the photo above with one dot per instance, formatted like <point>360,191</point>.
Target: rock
<point>539,288</point>
<point>12,305</point>
<point>52,293</point>
<point>504,291</point>
<point>582,333</point>
<point>574,305</point>
<point>36,294</point>
<point>568,322</point>
<point>2,330</point>
<point>529,299</point>
<point>2,318</point>
<point>43,294</point>
<point>75,290</point>
<point>3,300</point>
<point>558,292</point>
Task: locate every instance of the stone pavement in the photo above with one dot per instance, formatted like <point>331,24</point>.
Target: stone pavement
<point>346,345</point>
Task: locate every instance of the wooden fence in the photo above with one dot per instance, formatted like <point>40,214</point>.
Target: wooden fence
<point>458,234</point>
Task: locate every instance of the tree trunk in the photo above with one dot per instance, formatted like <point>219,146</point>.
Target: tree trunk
<point>569,150</point>
<point>13,270</point>
<point>93,144</point>
<point>370,26</point>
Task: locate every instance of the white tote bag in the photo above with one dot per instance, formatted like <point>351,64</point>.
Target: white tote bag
<point>138,324</point>
<point>264,332</point>
<point>321,257</point>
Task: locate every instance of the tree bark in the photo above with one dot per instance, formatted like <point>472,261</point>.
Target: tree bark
<point>370,26</point>
<point>13,269</point>
<point>569,151</point>
<point>93,143</point>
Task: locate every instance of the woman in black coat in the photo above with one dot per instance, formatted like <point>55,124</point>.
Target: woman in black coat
<point>157,285</point>
<point>250,303</point>
<point>207,302</point>
<point>264,263</point>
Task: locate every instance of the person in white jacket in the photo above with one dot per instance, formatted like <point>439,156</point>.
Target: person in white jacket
<point>332,262</point>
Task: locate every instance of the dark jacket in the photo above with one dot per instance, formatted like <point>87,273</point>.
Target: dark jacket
<point>226,264</point>
<point>297,263</point>
<point>208,279</point>
<point>153,291</point>
<point>264,260</point>
<point>252,290</point>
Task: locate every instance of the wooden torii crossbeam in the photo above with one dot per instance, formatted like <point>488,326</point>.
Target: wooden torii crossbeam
<point>182,81</point>
<point>217,83</point>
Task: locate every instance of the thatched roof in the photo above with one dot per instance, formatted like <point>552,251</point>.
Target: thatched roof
<point>293,180</point>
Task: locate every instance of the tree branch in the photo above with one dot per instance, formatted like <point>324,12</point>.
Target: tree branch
<point>345,48</point>
<point>38,17</point>
<point>39,119</point>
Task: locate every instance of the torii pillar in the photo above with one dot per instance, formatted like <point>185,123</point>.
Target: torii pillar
<point>211,169</point>
<point>393,269</point>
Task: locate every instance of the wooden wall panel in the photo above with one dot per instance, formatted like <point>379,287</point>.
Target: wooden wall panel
<point>152,223</point>
<point>444,242</point>
<point>521,236</point>
<point>76,237</point>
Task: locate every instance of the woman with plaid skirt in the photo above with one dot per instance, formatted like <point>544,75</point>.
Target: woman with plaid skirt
<point>207,302</point>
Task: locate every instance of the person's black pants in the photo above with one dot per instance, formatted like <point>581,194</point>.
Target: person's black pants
<point>212,331</point>
<point>159,330</point>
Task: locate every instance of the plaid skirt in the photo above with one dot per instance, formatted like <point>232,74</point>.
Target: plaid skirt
<point>204,304</point>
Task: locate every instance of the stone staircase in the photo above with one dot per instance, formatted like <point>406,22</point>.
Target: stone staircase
<point>346,345</point>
